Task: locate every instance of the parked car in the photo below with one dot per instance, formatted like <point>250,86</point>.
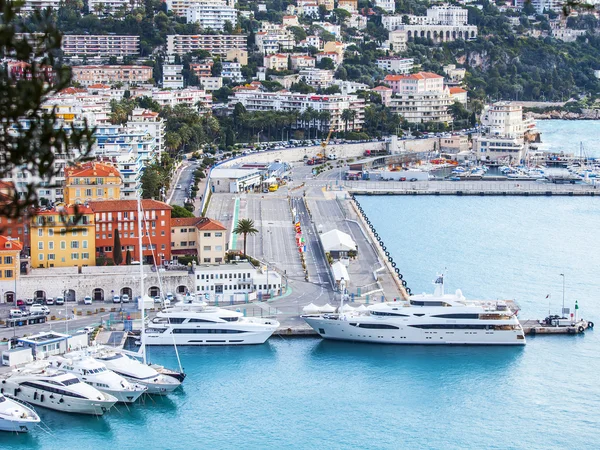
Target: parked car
<point>20,303</point>
<point>116,299</point>
<point>167,303</point>
<point>170,296</point>
<point>60,301</point>
<point>29,301</point>
<point>157,300</point>
<point>39,309</point>
<point>125,298</point>
<point>89,329</point>
<point>87,300</point>
<point>49,301</point>
<point>16,313</point>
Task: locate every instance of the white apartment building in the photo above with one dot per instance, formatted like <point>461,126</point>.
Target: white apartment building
<point>233,282</point>
<point>396,42</point>
<point>149,122</point>
<point>542,5</point>
<point>386,5</point>
<point>310,9</point>
<point>172,77</point>
<point>317,78</point>
<point>180,7</point>
<point>216,44</point>
<point>30,6</point>
<point>211,15</point>
<point>437,33</point>
<point>190,96</point>
<point>277,61</point>
<point>255,100</point>
<point>447,15</point>
<point>302,62</point>
<point>397,65</point>
<point>100,45</point>
<point>274,41</point>
<point>210,84</point>
<point>89,75</point>
<point>336,30</point>
<point>503,136</point>
<point>108,7</point>
<point>357,21</point>
<point>232,70</point>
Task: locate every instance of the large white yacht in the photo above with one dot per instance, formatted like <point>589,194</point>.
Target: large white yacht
<point>136,371</point>
<point>56,389</point>
<point>96,374</point>
<point>16,417</point>
<point>195,323</point>
<point>425,319</point>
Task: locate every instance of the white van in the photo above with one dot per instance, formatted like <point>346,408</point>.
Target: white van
<point>39,309</point>
<point>16,313</point>
<point>116,299</point>
<point>331,156</point>
<point>87,300</point>
<point>125,298</point>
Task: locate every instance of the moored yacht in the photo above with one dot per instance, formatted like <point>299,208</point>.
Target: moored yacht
<point>96,374</point>
<point>425,319</point>
<point>16,417</point>
<point>136,371</point>
<point>195,323</point>
<point>56,389</point>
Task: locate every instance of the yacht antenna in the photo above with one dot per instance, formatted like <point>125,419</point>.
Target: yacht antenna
<point>140,231</point>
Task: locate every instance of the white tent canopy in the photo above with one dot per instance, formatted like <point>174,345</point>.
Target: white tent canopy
<point>327,308</point>
<point>361,308</point>
<point>311,309</point>
<point>339,272</point>
<point>336,240</point>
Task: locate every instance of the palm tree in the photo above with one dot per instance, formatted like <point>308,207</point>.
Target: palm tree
<point>245,227</point>
<point>346,117</point>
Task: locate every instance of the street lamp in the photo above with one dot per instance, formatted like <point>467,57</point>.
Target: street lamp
<point>563,307</point>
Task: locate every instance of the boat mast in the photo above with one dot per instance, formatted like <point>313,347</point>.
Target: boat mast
<point>140,231</point>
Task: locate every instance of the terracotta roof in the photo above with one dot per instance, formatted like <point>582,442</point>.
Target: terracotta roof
<point>382,88</point>
<point>99,86</point>
<point>15,244</point>
<point>202,223</point>
<point>7,185</point>
<point>456,90</point>
<point>126,205</point>
<point>92,169</point>
<point>79,209</point>
<point>414,76</point>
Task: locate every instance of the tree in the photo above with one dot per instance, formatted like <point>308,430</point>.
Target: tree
<point>216,68</point>
<point>180,211</point>
<point>245,227</point>
<point>117,252</point>
<point>326,64</point>
<point>128,258</point>
<point>346,117</point>
<point>32,137</point>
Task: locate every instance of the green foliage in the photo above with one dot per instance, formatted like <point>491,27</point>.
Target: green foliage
<point>128,258</point>
<point>302,87</point>
<point>117,252</point>
<point>326,64</point>
<point>187,259</point>
<point>32,136</point>
<point>245,227</point>
<point>180,211</point>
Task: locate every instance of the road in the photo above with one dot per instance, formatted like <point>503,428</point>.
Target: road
<point>184,178</point>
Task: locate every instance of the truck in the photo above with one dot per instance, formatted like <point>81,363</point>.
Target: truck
<point>375,152</point>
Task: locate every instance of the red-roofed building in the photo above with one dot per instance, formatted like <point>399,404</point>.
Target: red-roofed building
<point>300,62</point>
<point>458,95</point>
<point>276,61</point>
<point>111,215</point>
<point>385,92</point>
<point>199,236</point>
<point>92,181</point>
<point>416,83</point>
<point>10,250</point>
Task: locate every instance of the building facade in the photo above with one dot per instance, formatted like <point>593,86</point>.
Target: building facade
<point>100,45</point>
<point>172,77</point>
<point>199,236</point>
<point>92,181</point>
<point>10,250</point>
<point>216,44</point>
<point>211,15</point>
<point>400,66</point>
<point>89,75</point>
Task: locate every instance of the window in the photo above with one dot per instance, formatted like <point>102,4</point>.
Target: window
<point>219,234</point>
<point>162,223</point>
<point>183,244</point>
<point>41,256</point>
<point>85,244</point>
<point>218,248</point>
<point>8,260</point>
<point>163,247</point>
<point>63,245</point>
<point>85,256</point>
<point>51,257</point>
<point>50,232</point>
<point>40,232</point>
<point>192,243</point>
<point>206,248</point>
<point>8,274</point>
<point>40,246</point>
<point>84,232</point>
<point>206,234</point>
<point>50,245</point>
<point>184,230</point>
<point>74,244</point>
<point>162,233</point>
<point>74,255</point>
<point>206,260</point>
<point>88,192</point>
<point>74,233</point>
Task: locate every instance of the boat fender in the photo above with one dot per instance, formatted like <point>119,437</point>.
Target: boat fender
<point>581,329</point>
<point>408,291</point>
<point>387,254</point>
<point>397,270</point>
<point>394,264</point>
<point>590,324</point>
<point>1,390</point>
<point>376,236</point>
<point>570,330</point>
<point>533,331</point>
<point>404,283</point>
<point>400,276</point>
<point>390,258</point>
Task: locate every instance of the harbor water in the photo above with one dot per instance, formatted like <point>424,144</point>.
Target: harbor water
<point>308,393</point>
<point>568,135</point>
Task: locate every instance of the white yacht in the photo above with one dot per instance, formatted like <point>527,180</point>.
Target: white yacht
<point>195,323</point>
<point>16,417</point>
<point>56,389</point>
<point>136,371</point>
<point>96,374</point>
<point>425,319</point>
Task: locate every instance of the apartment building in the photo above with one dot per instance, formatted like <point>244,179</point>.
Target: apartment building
<point>122,215</point>
<point>300,62</point>
<point>447,15</point>
<point>92,181</point>
<point>10,262</point>
<point>386,5</point>
<point>334,105</point>
<point>16,229</point>
<point>216,44</point>
<point>202,69</point>
<point>397,65</point>
<point>237,55</point>
<point>210,84</point>
<point>190,96</point>
<point>100,45</point>
<point>348,5</point>
<point>396,42</point>
<point>232,70</point>
<point>109,7</point>
<point>180,7</point>
<point>276,61</point>
<point>63,237</point>
<point>317,78</point>
<point>89,75</point>
<point>386,94</point>
<point>148,122</point>
<point>30,6</point>
<point>199,236</point>
<point>172,76</point>
<point>211,15</point>
<point>415,83</point>
<point>274,41</point>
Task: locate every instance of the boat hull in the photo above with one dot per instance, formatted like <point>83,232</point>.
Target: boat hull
<point>17,425</point>
<point>244,338</point>
<point>342,330</point>
<point>124,396</point>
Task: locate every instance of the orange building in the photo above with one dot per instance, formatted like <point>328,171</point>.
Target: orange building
<point>92,181</point>
<point>112,215</point>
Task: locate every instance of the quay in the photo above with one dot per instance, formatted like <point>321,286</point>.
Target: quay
<point>479,188</point>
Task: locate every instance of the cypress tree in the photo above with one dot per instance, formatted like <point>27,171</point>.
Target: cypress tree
<point>117,253</point>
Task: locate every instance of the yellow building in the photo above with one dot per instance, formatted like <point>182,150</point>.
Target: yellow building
<point>9,267</point>
<point>58,241</point>
<point>92,181</point>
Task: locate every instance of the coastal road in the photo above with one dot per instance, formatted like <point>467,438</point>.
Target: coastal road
<point>178,196</point>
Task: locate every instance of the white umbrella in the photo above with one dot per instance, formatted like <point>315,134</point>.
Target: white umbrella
<point>327,308</point>
<point>311,309</point>
<point>361,308</point>
<point>347,308</point>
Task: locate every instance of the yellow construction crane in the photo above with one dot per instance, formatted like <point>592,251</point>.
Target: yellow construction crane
<point>325,143</point>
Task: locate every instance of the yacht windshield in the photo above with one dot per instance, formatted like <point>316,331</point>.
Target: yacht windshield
<point>2,398</point>
<point>70,381</point>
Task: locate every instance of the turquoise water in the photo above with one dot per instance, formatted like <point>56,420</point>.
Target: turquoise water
<point>307,393</point>
<point>566,135</point>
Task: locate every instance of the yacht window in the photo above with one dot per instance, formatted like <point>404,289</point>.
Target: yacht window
<point>51,389</point>
<point>70,381</point>
<point>381,313</point>
<point>176,319</point>
<point>229,319</point>
<point>428,303</point>
<point>375,326</point>
<point>446,326</point>
<point>202,320</point>
<point>204,331</point>
<point>457,316</point>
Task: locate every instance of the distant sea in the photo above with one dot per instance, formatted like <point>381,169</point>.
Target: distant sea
<point>313,394</point>
<point>568,135</point>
